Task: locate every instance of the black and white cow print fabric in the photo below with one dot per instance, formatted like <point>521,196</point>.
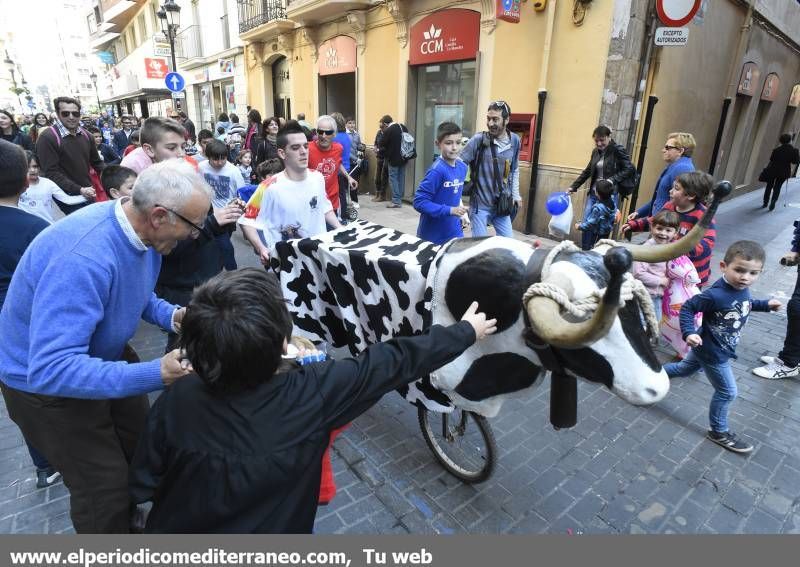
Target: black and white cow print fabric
<point>366,283</point>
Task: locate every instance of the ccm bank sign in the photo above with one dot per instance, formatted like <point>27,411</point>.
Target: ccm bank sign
<point>447,35</point>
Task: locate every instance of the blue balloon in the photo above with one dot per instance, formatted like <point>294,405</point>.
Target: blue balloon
<point>557,203</point>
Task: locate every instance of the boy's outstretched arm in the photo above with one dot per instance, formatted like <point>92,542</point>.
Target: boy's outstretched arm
<point>350,386</point>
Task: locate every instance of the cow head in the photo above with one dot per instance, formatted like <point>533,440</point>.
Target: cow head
<point>609,347</point>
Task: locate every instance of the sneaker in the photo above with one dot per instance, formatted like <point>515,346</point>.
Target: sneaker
<point>393,206</point>
<point>767,359</point>
<point>729,441</point>
<point>776,370</point>
<point>46,477</point>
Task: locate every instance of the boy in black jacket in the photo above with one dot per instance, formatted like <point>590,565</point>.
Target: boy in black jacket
<point>238,447</point>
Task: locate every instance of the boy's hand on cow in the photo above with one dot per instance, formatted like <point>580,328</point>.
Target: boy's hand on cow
<point>694,340</point>
<point>174,365</point>
<point>774,305</point>
<point>458,211</point>
<point>263,255</point>
<point>633,216</point>
<point>625,228</point>
<point>479,322</point>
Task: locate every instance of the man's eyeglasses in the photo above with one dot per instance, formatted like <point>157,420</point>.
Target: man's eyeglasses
<point>668,147</point>
<point>68,113</point>
<point>195,229</point>
<point>326,132</point>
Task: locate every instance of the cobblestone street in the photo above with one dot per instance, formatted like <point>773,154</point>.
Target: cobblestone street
<point>622,469</point>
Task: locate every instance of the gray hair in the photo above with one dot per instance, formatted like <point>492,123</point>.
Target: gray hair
<point>331,120</point>
<point>170,183</point>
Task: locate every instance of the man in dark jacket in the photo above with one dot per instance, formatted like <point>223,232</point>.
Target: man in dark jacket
<point>189,125</point>
<point>391,143</point>
<point>381,171</point>
<point>66,151</point>
<point>780,169</point>
<point>122,138</point>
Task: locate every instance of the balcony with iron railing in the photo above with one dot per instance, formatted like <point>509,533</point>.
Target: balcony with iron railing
<point>189,43</point>
<point>255,13</point>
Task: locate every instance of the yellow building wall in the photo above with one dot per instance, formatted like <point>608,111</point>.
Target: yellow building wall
<point>303,75</point>
<point>380,73</point>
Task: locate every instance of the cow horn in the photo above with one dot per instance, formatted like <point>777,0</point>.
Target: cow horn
<point>687,243</point>
<point>545,313</point>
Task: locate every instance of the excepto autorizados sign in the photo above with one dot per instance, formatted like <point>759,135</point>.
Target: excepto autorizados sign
<point>670,37</point>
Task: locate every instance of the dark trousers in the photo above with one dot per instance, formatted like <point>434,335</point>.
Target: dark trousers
<point>226,249</point>
<point>176,296</point>
<point>69,209</point>
<point>790,355</point>
<point>344,188</point>
<point>91,443</point>
<point>39,460</point>
<point>589,238</point>
<point>773,186</point>
<point>354,192</point>
<point>381,178</point>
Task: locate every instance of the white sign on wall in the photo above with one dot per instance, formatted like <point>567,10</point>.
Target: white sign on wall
<point>672,37</point>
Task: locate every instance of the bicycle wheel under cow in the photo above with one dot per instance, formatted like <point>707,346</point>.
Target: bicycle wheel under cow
<point>462,441</point>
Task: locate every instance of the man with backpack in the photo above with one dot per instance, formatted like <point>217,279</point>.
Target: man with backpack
<point>398,149</point>
<point>493,159</point>
<point>67,151</point>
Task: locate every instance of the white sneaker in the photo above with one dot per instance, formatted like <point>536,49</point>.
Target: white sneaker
<point>356,205</point>
<point>776,370</point>
<point>767,359</point>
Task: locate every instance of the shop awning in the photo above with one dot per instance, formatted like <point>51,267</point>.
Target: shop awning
<point>148,94</point>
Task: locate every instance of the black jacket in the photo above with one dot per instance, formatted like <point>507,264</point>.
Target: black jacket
<point>252,462</point>
<point>617,166</point>
<point>392,139</point>
<point>781,160</point>
<point>192,262</point>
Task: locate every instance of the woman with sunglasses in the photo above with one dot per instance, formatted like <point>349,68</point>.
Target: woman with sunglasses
<point>10,132</point>
<point>677,153</point>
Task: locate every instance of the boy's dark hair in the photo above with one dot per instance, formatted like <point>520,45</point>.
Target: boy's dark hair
<point>223,117</point>
<point>234,118</point>
<point>697,184</point>
<point>386,119</point>
<point>669,219</point>
<point>65,100</point>
<point>349,119</point>
<point>93,130</point>
<point>785,138</point>
<point>604,189</point>
<point>447,129</point>
<point>601,131</point>
<point>182,114</point>
<point>13,170</point>
<point>269,167</point>
<point>234,329</point>
<point>291,127</point>
<point>746,250</point>
<point>156,126</point>
<point>216,149</point>
<point>204,134</point>
<point>136,136</point>
<point>113,176</point>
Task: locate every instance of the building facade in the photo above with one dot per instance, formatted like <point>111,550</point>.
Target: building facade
<point>563,66</point>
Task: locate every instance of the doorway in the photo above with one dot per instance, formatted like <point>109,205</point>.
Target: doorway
<point>337,93</point>
<point>281,100</point>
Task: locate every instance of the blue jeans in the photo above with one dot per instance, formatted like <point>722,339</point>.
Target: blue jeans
<point>589,238</point>
<point>397,179</point>
<point>481,217</point>
<point>226,250</point>
<point>721,377</point>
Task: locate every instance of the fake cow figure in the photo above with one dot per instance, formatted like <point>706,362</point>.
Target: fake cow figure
<point>558,310</point>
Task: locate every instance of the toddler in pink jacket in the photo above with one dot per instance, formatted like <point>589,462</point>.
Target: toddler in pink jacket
<point>663,229</point>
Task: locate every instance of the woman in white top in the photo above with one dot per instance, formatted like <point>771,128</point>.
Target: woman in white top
<point>38,197</point>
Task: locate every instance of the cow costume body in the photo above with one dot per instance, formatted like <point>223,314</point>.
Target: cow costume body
<point>366,283</point>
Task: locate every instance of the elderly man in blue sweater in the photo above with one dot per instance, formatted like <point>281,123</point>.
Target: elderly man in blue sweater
<point>74,302</point>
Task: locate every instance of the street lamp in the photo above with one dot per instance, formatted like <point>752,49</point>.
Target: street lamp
<point>93,78</point>
<point>170,18</point>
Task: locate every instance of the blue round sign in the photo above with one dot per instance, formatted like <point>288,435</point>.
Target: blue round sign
<point>174,82</point>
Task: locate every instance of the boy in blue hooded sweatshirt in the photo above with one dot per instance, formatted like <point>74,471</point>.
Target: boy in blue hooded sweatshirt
<point>438,197</point>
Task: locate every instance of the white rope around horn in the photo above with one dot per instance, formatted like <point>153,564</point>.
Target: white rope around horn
<point>583,308</point>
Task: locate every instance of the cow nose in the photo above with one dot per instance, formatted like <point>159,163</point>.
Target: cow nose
<point>651,392</point>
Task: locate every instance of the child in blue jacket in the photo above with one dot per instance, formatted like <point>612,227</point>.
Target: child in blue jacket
<point>438,197</point>
<point>600,221</point>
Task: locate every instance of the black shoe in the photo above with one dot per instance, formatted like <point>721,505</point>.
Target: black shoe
<point>772,206</point>
<point>764,206</point>
<point>46,477</point>
<point>729,441</point>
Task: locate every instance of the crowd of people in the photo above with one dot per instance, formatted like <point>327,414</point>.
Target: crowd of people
<point>149,211</point>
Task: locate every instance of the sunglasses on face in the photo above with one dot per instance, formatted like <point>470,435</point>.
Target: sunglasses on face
<point>502,105</point>
<point>668,147</point>
<point>68,113</point>
<point>326,132</point>
<point>195,229</point>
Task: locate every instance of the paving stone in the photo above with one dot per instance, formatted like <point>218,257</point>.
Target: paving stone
<point>619,512</point>
<point>740,499</point>
<point>555,505</point>
<point>723,520</point>
<point>776,503</point>
<point>762,523</point>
